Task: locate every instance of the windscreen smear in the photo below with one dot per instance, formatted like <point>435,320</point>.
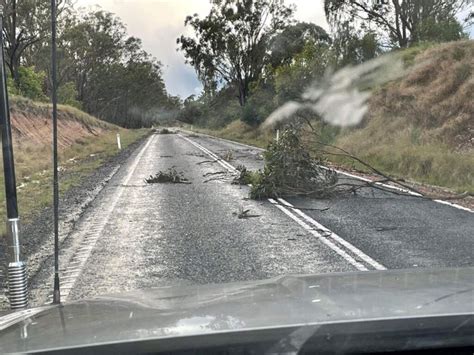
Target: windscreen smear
<point>341,98</point>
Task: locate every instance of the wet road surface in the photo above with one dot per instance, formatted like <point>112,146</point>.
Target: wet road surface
<point>138,235</point>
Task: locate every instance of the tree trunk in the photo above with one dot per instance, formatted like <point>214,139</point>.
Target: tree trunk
<point>14,61</point>
<point>242,93</point>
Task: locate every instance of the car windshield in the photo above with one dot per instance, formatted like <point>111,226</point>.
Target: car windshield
<point>207,142</point>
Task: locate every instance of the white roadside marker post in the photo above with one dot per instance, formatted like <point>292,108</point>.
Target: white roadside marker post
<point>278,135</point>
<point>118,142</point>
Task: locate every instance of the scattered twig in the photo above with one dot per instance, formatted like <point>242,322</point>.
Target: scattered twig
<point>242,214</point>
<point>215,173</point>
<point>215,178</point>
<point>228,156</point>
<point>206,161</point>
<point>383,229</point>
<point>170,176</point>
<point>166,131</point>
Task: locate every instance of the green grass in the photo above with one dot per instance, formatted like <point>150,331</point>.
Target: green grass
<point>34,169</point>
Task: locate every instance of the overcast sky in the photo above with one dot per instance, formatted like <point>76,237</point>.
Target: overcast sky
<point>159,22</point>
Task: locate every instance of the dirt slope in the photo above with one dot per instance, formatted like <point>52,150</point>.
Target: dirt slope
<point>32,124</point>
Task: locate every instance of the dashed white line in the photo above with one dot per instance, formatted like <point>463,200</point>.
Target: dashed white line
<point>222,162</point>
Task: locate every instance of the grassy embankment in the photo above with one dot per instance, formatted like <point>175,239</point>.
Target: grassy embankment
<point>84,144</point>
<point>420,127</point>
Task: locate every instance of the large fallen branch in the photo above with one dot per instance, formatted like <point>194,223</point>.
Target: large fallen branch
<point>400,188</point>
<point>290,170</point>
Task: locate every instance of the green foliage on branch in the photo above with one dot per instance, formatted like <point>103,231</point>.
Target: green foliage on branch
<point>291,170</point>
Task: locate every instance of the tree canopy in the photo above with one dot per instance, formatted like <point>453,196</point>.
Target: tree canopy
<point>402,22</point>
<point>101,69</point>
<point>231,43</point>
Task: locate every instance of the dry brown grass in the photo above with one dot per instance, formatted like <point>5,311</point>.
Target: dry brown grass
<point>435,96</point>
<point>422,126</point>
<point>85,142</point>
<point>241,132</point>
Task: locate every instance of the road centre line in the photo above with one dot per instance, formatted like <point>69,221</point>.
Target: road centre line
<point>454,205</point>
<point>324,238</point>
<point>376,265</point>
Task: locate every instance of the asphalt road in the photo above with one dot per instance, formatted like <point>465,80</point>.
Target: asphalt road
<point>138,235</point>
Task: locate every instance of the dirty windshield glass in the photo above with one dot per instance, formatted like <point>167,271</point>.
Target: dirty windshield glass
<point>201,143</point>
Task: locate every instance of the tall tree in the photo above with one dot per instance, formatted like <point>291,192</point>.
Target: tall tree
<point>292,41</point>
<point>27,22</point>
<point>230,44</point>
<point>401,20</point>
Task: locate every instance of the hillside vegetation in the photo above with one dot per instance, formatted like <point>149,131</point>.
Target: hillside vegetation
<point>420,127</point>
<point>84,143</point>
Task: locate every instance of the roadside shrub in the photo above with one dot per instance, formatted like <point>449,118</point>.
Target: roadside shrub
<point>67,95</point>
<point>250,115</point>
<point>30,84</point>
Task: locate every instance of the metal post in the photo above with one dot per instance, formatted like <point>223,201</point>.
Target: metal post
<point>56,291</point>
<point>119,144</point>
<point>16,270</point>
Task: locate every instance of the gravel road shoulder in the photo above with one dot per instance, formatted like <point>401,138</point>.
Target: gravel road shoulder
<point>37,236</point>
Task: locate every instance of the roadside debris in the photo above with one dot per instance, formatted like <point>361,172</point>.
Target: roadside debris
<point>170,176</point>
<point>166,131</point>
<point>228,156</point>
<point>206,162</point>
<point>245,176</point>
<point>215,173</point>
<point>242,214</point>
<point>290,170</point>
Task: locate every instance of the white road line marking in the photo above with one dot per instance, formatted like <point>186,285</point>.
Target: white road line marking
<point>376,265</point>
<point>223,139</point>
<point>345,244</point>
<point>402,190</point>
<point>322,238</point>
<point>78,263</point>
<point>222,162</point>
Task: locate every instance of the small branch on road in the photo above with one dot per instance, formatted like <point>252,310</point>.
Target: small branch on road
<point>242,214</point>
<point>215,178</point>
<point>215,173</point>
<point>303,208</point>
<point>398,184</point>
<point>169,176</point>
<point>206,161</point>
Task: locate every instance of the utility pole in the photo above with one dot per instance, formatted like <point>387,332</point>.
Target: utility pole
<point>56,291</point>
